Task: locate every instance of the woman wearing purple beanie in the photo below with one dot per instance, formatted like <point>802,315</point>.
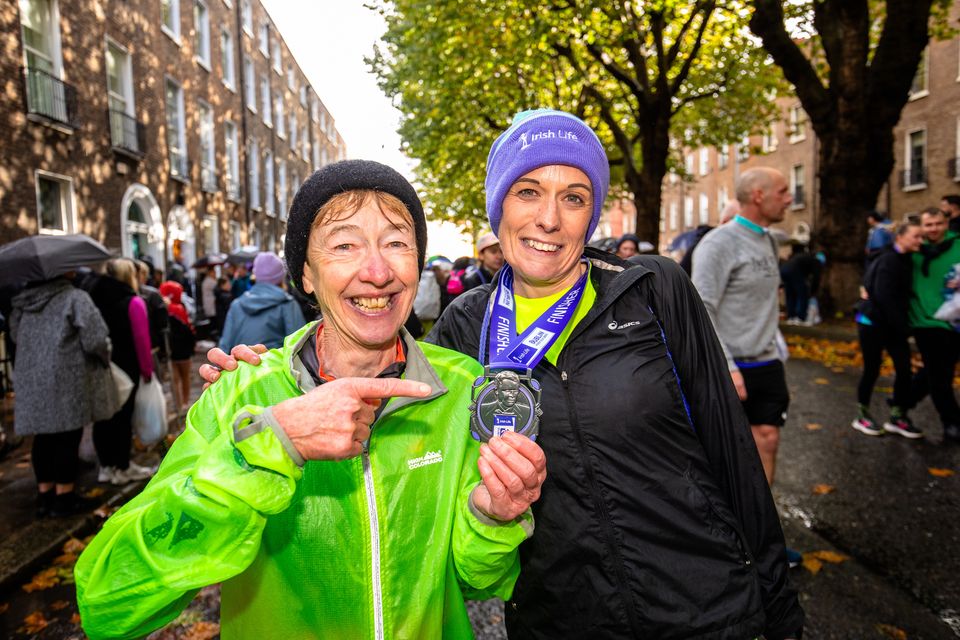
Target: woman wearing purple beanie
<point>655,520</point>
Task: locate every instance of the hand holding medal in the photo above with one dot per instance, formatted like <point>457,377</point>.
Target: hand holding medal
<point>513,469</point>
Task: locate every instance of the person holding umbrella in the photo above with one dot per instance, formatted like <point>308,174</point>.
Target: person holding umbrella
<point>62,374</point>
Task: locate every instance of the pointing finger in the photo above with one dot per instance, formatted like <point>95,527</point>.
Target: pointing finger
<point>370,388</point>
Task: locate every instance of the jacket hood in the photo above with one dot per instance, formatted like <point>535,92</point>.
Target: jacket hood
<point>34,299</point>
<point>171,290</point>
<point>261,297</point>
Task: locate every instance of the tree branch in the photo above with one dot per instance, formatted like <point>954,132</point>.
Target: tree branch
<point>620,74</point>
<point>681,77</point>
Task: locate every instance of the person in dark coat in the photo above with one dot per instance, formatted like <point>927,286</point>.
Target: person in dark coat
<point>883,324</point>
<point>125,313</point>
<point>801,280</point>
<point>182,342</point>
<point>490,259</point>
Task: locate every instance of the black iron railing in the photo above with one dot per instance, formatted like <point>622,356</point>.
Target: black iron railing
<point>50,97</point>
<point>126,132</point>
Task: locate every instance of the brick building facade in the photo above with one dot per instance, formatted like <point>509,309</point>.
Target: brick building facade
<point>162,128</point>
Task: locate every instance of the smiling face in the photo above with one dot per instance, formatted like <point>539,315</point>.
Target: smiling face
<point>934,226</point>
<point>362,268</point>
<point>546,214</point>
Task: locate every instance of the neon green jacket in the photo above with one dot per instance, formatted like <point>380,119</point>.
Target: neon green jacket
<point>381,546</point>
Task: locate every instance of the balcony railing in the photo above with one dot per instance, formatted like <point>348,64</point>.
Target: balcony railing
<point>127,133</point>
<point>913,177</point>
<point>50,97</point>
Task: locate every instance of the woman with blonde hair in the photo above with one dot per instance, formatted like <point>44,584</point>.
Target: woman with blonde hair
<point>125,313</point>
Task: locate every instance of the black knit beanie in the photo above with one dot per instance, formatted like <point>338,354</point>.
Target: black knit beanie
<point>337,178</point>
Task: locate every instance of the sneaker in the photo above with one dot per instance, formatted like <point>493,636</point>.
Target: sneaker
<point>794,558</point>
<point>139,472</point>
<point>44,503</point>
<point>864,424</point>
<point>105,475</point>
<point>903,426</point>
<point>793,321</point>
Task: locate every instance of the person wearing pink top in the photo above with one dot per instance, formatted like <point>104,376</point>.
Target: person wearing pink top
<point>125,313</point>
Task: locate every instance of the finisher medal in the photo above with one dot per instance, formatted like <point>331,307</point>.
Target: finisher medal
<point>507,397</point>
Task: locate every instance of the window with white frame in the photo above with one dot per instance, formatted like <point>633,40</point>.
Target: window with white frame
<point>269,196</point>
<point>323,121</point>
<point>278,108</point>
<point>723,156</point>
<point>797,186</point>
<point>704,209</point>
<point>170,18</point>
<point>40,31</point>
<point>704,160</point>
<point>316,156</point>
<point>324,158</point>
<point>688,212</point>
<point>265,105</point>
<point>798,124</point>
<point>249,84</point>
<point>673,216</point>
<point>123,125</point>
<point>291,78</point>
<point>314,110</point>
<point>176,135</point>
<point>236,240</point>
<point>282,189</point>
<point>723,197</point>
<point>919,87</point>
<point>769,143</point>
<point>305,146</point>
<point>743,149</point>
<point>55,212</point>
<point>293,131</point>
<point>688,164</point>
<point>201,21</point>
<point>255,235</point>
<point>277,56</point>
<point>211,234</point>
<point>264,39</point>
<point>294,182</point>
<point>233,159</point>
<point>226,58</point>
<point>246,17</point>
<point>253,172</point>
<point>208,174</point>
<point>915,175</point>
<point>303,96</point>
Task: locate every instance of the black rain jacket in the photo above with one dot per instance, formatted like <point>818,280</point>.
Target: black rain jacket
<point>655,520</point>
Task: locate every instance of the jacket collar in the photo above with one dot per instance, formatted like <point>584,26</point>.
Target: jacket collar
<point>418,368</point>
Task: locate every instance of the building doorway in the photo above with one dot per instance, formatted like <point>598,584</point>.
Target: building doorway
<point>181,238</point>
<point>142,226</point>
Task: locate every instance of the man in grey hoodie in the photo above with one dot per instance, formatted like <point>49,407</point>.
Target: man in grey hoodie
<point>736,271</point>
<point>265,314</point>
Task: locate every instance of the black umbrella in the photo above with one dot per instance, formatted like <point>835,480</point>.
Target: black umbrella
<point>42,257</point>
<point>210,260</point>
<point>243,256</point>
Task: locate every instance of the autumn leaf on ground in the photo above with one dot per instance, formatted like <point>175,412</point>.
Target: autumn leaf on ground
<point>811,564</point>
<point>814,426</point>
<point>59,605</point>
<point>75,619</point>
<point>105,511</point>
<point>34,623</point>
<point>202,631</point>
<point>892,632</point>
<point>837,369</point>
<point>821,381</point>
<point>822,489</point>
<point>75,546</point>
<point>940,473</point>
<point>43,580</point>
<point>65,559</point>
<point>828,556</point>
<point>95,492</point>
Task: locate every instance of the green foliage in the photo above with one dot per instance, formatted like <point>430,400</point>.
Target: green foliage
<point>459,71</point>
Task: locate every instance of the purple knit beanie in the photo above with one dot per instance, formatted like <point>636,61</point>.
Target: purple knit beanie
<point>539,138</point>
<point>268,268</point>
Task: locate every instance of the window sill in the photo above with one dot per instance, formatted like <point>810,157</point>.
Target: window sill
<point>916,187</point>
<point>251,109</point>
<point>248,32</point>
<point>51,232</point>
<point>56,125</point>
<point>797,207</point>
<point>204,64</point>
<point>918,95</point>
<point>209,189</point>
<point>270,214</point>
<point>266,54</point>
<point>179,178</point>
<point>797,139</point>
<point>230,86</point>
<point>170,34</point>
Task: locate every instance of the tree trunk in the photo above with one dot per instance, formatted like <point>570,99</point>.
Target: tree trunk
<point>647,184</point>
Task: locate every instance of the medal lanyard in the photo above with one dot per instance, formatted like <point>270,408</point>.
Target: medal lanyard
<point>505,349</point>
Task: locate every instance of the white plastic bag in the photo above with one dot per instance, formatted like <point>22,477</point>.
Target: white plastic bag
<point>123,383</point>
<point>813,312</point>
<point>150,412</point>
<point>949,311</point>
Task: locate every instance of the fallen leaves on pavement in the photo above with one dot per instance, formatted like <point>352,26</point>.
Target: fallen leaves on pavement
<point>75,546</point>
<point>202,631</point>
<point>821,381</point>
<point>43,580</point>
<point>823,489</point>
<point>34,623</point>
<point>814,426</point>
<point>940,473</point>
<point>59,605</point>
<point>95,492</point>
<point>813,560</point>
<point>892,632</point>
